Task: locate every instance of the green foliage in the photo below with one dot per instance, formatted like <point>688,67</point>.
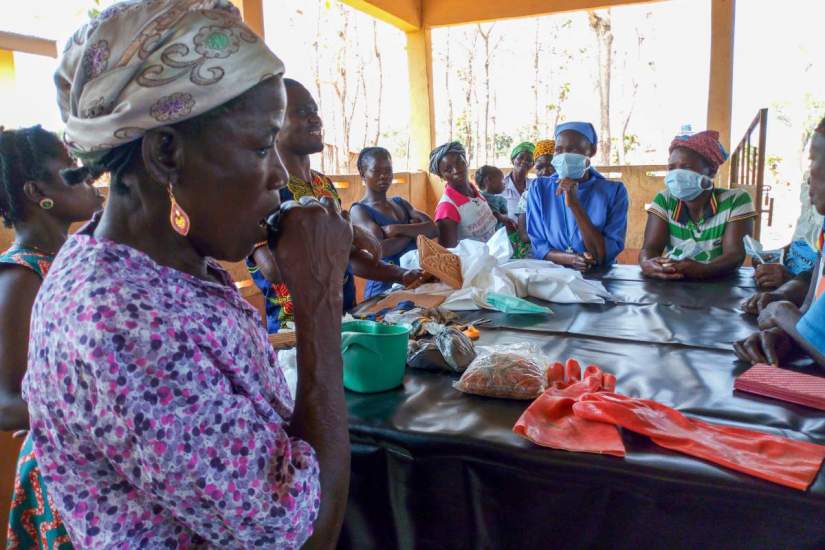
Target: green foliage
<point>503,144</point>
<point>773,163</point>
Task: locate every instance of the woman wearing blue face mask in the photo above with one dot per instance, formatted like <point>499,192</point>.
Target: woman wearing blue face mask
<point>695,230</point>
<point>576,217</point>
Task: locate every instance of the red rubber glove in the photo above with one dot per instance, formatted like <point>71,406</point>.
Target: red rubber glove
<point>777,459</point>
<point>549,420</point>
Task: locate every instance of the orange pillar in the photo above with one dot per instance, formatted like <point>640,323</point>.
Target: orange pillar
<point>720,86</point>
<point>252,12</point>
<point>422,108</point>
<point>6,71</point>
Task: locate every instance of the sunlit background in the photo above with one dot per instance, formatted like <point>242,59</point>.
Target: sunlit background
<point>497,84</point>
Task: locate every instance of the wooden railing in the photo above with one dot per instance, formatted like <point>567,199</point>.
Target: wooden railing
<point>747,169</point>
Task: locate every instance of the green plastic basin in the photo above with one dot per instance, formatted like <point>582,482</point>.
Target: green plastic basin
<point>374,355</point>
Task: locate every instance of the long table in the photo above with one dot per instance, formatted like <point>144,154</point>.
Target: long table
<point>435,468</point>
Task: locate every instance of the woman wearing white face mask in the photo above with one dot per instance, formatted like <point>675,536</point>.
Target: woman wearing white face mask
<point>576,217</point>
<point>695,230</point>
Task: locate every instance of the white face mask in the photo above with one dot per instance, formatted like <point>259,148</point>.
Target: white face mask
<point>686,185</point>
<point>570,165</point>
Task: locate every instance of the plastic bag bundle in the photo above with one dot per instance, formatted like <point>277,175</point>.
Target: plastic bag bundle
<point>458,350</point>
<point>425,355</point>
<point>504,374</point>
<point>450,350</point>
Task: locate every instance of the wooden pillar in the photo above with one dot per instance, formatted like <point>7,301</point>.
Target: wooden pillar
<point>422,109</point>
<point>720,86</point>
<point>252,12</point>
<point>6,72</point>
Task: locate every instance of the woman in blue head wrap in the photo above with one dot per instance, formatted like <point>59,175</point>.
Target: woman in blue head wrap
<point>576,217</point>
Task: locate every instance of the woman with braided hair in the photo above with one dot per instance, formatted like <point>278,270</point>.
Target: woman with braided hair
<point>39,204</point>
<point>392,221</point>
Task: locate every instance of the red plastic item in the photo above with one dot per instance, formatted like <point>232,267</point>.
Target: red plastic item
<point>549,420</point>
<point>777,459</point>
<point>783,384</point>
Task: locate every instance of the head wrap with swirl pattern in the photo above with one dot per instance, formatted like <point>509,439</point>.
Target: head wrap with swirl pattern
<point>142,64</point>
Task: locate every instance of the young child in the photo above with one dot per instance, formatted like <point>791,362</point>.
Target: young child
<point>490,180</point>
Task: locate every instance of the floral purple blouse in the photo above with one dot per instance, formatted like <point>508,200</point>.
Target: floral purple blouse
<point>158,409</point>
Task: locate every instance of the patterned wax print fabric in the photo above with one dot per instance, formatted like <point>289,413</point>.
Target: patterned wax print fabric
<point>278,302</point>
<point>33,521</point>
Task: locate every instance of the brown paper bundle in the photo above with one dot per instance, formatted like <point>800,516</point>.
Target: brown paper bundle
<point>283,340</point>
<point>439,262</point>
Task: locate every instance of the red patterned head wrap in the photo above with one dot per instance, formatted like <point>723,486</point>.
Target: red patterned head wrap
<point>705,144</point>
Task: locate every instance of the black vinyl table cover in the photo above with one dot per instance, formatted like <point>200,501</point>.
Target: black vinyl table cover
<point>435,468</point>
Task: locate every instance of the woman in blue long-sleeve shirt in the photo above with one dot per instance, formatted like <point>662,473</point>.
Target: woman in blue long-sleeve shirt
<point>576,217</point>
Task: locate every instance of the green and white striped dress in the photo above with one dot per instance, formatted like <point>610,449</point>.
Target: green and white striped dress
<point>704,237</point>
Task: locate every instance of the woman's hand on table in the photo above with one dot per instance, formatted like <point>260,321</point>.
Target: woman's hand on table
<point>580,262</point>
<point>767,346</point>
<point>313,247</point>
<point>660,268</point>
<point>759,301</point>
<point>770,314</point>
<point>689,268</point>
<point>583,262</point>
<point>771,275</point>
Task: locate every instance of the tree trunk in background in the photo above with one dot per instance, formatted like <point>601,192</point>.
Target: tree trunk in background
<point>341,88</point>
<point>604,37</point>
<point>485,37</point>
<point>536,83</point>
<point>380,61</point>
<point>448,69</point>
<point>316,47</point>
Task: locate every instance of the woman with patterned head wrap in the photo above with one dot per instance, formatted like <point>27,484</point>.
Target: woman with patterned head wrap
<point>543,155</point>
<point>159,415</point>
<point>462,212</point>
<point>695,230</point>
<point>516,183</point>
<point>576,217</point>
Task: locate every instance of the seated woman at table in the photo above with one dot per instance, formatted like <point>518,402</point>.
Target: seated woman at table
<point>158,412</point>
<point>462,212</point>
<point>40,205</point>
<point>543,166</point>
<point>791,280</point>
<point>576,217</point>
<point>785,327</point>
<point>394,222</point>
<point>695,230</point>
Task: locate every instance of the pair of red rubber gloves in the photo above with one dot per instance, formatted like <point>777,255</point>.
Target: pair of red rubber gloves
<point>581,413</point>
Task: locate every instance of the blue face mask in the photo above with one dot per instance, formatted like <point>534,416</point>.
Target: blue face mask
<point>686,185</point>
<point>570,165</point>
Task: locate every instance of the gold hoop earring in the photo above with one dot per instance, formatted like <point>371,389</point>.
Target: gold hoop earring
<point>46,204</point>
<point>177,216</point>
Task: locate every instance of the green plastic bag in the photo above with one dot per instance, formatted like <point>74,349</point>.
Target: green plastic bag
<point>511,304</point>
